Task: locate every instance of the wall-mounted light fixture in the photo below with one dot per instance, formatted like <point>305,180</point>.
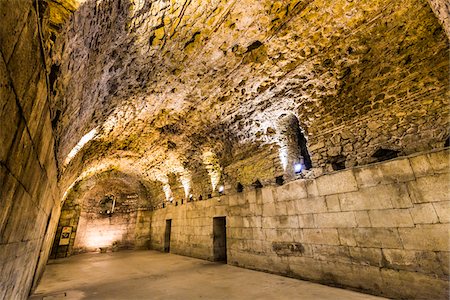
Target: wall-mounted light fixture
<point>221,189</point>
<point>298,167</point>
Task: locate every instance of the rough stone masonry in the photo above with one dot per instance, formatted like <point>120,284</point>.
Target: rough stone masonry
<point>318,128</point>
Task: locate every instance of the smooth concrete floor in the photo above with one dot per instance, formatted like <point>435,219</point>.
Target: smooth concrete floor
<point>155,275</point>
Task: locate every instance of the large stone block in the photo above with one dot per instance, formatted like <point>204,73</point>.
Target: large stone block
<point>339,182</point>
<point>421,166</point>
<point>424,214</point>
<point>339,254</point>
<point>305,267</point>
<point>321,236</point>
<point>432,237</point>
<point>414,261</point>
<point>391,218</point>
<point>9,113</point>
<point>443,211</point>
<point>361,277</point>
<point>386,172</point>
<point>291,191</point>
<point>377,237</point>
<point>362,219</point>
<point>440,161</point>
<point>335,220</point>
<point>430,188</point>
<point>346,237</point>
<point>378,197</point>
<point>306,221</point>
<point>333,203</point>
<point>366,256</point>
<point>311,205</point>
<point>13,17</point>
<point>26,58</point>
<point>20,151</point>
<point>413,285</point>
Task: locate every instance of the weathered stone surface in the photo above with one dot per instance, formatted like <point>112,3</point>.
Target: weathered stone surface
<point>424,214</point>
<point>391,218</point>
<point>443,211</point>
<point>430,188</point>
<point>340,182</point>
<point>434,238</point>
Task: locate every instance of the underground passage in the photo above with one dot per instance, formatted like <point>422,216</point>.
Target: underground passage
<point>186,149</point>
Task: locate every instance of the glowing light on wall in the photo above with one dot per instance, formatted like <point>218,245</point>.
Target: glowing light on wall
<point>103,237</point>
<point>213,168</point>
<point>298,168</point>
<point>283,154</point>
<point>86,138</point>
<point>185,179</point>
<point>168,192</point>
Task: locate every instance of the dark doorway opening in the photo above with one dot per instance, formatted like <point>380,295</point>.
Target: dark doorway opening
<point>220,239</point>
<point>167,236</point>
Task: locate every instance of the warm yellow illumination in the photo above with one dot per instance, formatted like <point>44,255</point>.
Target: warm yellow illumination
<point>168,192</point>
<point>185,179</point>
<point>283,154</point>
<point>212,165</point>
<point>86,138</point>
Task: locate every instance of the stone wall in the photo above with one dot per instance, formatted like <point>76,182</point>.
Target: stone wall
<point>86,209</point>
<point>29,204</point>
<point>163,82</point>
<point>382,228</point>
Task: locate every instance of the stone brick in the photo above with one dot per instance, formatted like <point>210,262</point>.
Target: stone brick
<point>361,277</point>
<point>391,218</point>
<point>424,214</point>
<point>338,254</point>
<point>335,220</point>
<point>366,256</point>
<point>425,287</point>
<point>346,237</point>
<point>339,182</point>
<point>311,205</point>
<point>378,197</point>
<point>434,238</point>
<point>25,58</point>
<point>305,268</point>
<point>421,166</point>
<point>362,219</point>
<point>444,262</point>
<point>387,172</point>
<point>11,23</point>
<point>332,203</point>
<point>267,195</point>
<point>321,236</point>
<point>378,237</point>
<point>306,221</point>
<point>414,261</point>
<point>9,113</point>
<point>440,161</point>
<point>443,211</point>
<point>311,188</point>
<point>291,191</point>
<point>430,189</point>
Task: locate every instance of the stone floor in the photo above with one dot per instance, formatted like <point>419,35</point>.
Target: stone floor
<point>155,275</point>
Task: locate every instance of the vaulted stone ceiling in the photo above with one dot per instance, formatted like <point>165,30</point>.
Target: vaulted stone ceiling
<point>195,93</point>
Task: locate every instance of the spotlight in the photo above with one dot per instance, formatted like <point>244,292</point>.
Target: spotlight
<point>221,189</point>
<point>298,168</point>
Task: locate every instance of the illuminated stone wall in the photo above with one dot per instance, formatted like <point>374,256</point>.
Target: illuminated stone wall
<point>93,228</point>
<point>381,228</point>
<point>29,196</point>
<point>166,82</point>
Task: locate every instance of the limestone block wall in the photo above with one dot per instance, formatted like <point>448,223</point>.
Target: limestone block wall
<point>381,228</point>
<point>28,190</point>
